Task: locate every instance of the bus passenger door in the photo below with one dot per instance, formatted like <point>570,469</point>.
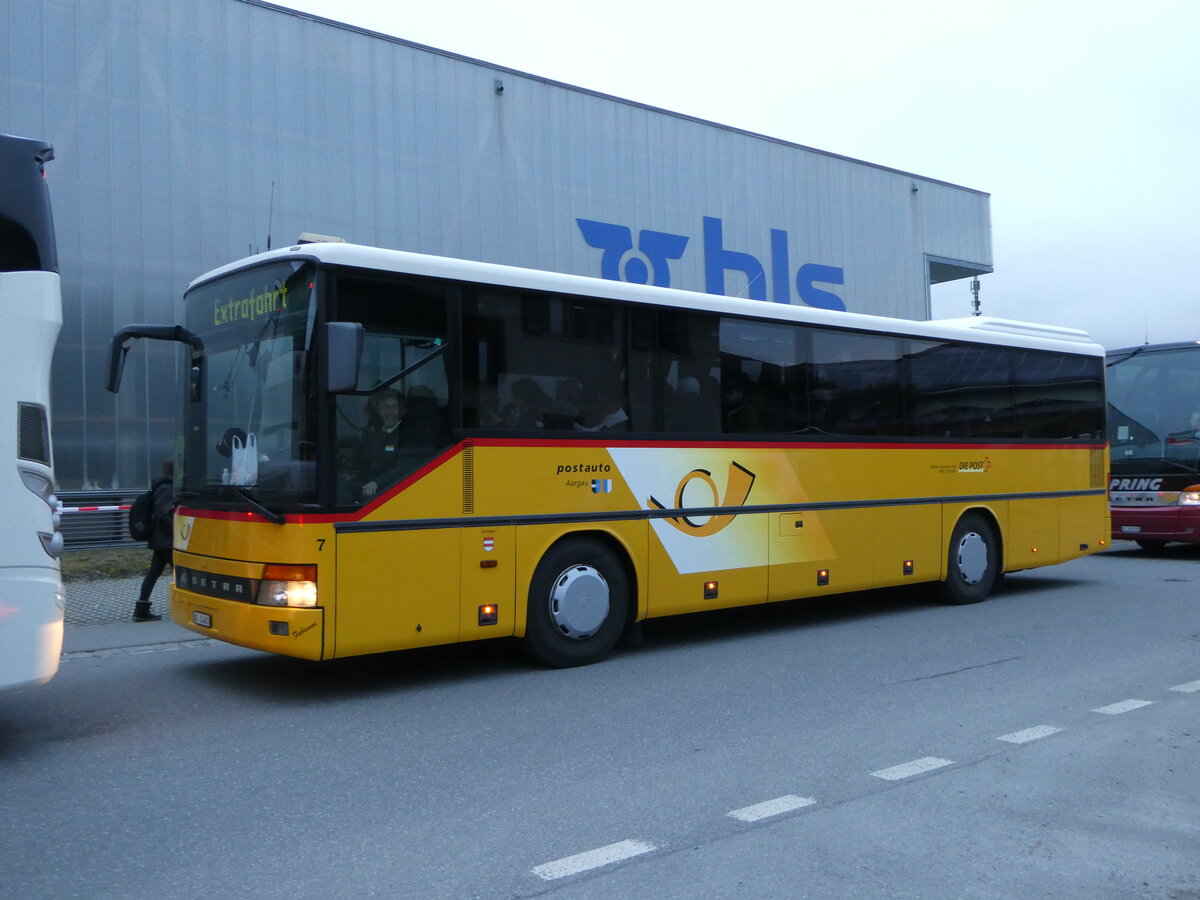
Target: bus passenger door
<point>396,590</point>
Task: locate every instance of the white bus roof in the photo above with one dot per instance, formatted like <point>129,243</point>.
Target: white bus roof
<point>974,328</point>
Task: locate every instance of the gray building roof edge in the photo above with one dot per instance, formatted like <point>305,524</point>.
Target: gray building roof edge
<point>275,7</point>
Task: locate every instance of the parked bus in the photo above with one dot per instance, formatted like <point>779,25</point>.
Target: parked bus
<point>1154,432</point>
<point>31,596</point>
<point>385,450</point>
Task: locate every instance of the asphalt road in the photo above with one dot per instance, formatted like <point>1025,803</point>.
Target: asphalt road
<point>1045,743</point>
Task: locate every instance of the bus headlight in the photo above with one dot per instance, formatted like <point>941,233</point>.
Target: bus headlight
<point>288,586</point>
<point>1190,495</point>
<point>287,593</point>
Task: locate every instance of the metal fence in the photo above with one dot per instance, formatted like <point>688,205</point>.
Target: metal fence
<point>96,519</point>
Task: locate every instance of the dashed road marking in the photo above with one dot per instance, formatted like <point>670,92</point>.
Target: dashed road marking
<point>622,850</point>
<point>1115,709</point>
<point>768,808</point>
<point>1025,735</point>
<point>909,769</point>
<point>591,859</point>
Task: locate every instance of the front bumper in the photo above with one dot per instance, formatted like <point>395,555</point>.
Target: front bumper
<point>1161,523</point>
<point>290,631</point>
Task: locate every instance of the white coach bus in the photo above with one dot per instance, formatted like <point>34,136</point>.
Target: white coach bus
<point>31,594</point>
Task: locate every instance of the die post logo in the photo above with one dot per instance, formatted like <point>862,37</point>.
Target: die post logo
<point>974,466</point>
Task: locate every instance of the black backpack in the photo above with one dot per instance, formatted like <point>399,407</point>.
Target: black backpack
<point>141,516</point>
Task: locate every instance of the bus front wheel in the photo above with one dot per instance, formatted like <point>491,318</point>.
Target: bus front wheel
<point>578,603</point>
<point>974,561</point>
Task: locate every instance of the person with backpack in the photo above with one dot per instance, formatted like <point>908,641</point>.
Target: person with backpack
<point>151,515</point>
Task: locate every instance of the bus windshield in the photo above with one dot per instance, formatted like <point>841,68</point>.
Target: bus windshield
<point>250,421</point>
<point>1154,407</point>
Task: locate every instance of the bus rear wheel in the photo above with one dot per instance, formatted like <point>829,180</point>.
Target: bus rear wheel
<point>578,604</point>
<point>973,566</point>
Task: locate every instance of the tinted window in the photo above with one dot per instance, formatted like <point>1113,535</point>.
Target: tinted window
<point>1057,396</point>
<point>690,361</point>
<point>960,390</point>
<point>540,362</point>
<point>537,362</point>
<point>856,385</point>
<point>763,377</point>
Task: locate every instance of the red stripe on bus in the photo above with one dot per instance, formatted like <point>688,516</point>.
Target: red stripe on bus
<point>450,453</point>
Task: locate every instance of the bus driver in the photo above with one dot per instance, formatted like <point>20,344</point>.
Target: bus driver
<point>377,459</point>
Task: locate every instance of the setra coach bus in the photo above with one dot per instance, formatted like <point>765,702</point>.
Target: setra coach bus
<point>1154,433</point>
<point>31,594</point>
<point>384,450</point>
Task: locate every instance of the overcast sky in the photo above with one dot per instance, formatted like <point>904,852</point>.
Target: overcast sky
<point>1081,119</point>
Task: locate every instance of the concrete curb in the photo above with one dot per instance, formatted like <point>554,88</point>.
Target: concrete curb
<point>88,639</point>
<point>99,617</point>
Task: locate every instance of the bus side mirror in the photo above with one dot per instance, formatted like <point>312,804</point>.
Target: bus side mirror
<point>343,347</point>
<point>124,339</point>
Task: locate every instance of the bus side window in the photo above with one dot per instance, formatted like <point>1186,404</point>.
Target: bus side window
<point>689,361</point>
<point>962,390</point>
<point>858,383</point>
<point>544,362</point>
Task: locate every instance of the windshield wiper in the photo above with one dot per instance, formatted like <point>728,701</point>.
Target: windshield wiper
<point>1115,362</point>
<point>409,369</point>
<point>269,514</point>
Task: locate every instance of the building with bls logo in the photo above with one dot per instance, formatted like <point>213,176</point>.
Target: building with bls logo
<point>239,124</point>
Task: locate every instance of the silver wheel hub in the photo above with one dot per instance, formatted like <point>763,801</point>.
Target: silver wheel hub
<point>972,558</point>
<point>579,602</point>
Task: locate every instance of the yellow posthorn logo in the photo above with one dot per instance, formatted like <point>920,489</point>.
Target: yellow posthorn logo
<point>737,489</point>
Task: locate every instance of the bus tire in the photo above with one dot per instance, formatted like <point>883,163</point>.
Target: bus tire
<point>578,604</point>
<point>973,564</point>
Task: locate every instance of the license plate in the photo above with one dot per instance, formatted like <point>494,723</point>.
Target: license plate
<point>203,619</point>
<point>1130,529</point>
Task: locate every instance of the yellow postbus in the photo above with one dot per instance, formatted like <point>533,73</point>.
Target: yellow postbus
<point>384,450</point>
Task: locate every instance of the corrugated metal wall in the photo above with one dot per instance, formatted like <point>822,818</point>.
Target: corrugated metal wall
<point>187,131</point>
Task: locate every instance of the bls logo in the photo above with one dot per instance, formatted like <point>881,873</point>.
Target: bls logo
<point>655,249</point>
<point>737,489</point>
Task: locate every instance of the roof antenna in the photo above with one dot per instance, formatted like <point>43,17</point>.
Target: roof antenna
<point>975,296</point>
<point>270,215</point>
